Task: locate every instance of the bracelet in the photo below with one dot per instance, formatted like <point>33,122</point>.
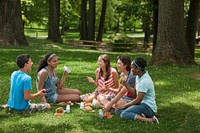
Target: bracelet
<point>97,92</point>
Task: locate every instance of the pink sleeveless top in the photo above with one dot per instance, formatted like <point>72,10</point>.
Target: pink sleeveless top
<point>110,82</point>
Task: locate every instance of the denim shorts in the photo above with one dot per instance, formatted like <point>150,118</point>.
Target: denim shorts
<point>52,98</point>
<point>125,98</point>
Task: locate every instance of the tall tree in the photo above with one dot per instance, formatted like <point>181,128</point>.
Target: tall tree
<point>102,20</point>
<point>53,29</point>
<point>91,19</point>
<point>155,23</point>
<point>192,22</point>
<point>171,44</point>
<point>11,26</point>
<point>83,30</point>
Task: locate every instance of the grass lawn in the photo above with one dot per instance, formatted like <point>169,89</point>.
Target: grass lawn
<point>177,94</point>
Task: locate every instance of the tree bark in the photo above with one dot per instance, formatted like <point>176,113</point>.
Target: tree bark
<point>146,34</point>
<point>91,20</point>
<point>54,14</point>
<point>11,25</point>
<point>155,24</point>
<point>83,30</point>
<point>102,19</point>
<point>171,45</point>
<point>192,21</point>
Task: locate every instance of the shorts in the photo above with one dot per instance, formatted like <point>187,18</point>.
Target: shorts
<point>39,107</point>
<point>52,98</point>
<point>125,98</point>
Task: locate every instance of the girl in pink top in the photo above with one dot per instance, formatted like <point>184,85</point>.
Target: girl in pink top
<point>106,79</point>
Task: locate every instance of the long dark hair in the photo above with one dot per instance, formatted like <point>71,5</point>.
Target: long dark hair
<point>44,61</point>
<point>106,60</point>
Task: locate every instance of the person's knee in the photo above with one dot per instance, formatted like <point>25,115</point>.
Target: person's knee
<point>78,92</point>
<point>78,97</point>
<point>49,106</point>
<point>123,115</point>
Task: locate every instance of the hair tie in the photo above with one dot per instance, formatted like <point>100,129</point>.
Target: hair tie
<point>50,57</point>
<point>137,65</point>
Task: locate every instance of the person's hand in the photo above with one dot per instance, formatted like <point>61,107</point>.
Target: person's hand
<point>106,88</point>
<point>120,106</point>
<point>123,80</point>
<point>90,79</point>
<point>42,92</point>
<point>65,73</point>
<point>107,107</point>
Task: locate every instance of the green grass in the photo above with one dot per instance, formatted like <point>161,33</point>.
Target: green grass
<point>177,94</point>
<point>72,35</point>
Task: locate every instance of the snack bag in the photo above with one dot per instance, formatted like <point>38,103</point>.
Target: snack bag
<point>59,111</point>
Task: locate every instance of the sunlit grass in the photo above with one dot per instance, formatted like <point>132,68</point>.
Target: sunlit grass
<point>177,94</point>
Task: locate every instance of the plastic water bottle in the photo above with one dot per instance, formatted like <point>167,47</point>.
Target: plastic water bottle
<point>82,105</point>
<point>94,101</point>
<point>67,110</point>
<point>100,113</point>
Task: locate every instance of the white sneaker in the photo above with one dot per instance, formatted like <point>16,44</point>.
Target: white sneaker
<point>155,120</point>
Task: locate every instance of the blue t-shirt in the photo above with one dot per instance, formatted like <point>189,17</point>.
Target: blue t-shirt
<point>145,84</point>
<point>19,82</point>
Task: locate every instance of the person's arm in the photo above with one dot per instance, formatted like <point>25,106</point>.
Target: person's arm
<point>136,101</point>
<point>91,80</point>
<point>131,89</point>
<point>41,79</point>
<point>60,84</point>
<point>117,90</point>
<point>29,96</point>
<point>115,99</point>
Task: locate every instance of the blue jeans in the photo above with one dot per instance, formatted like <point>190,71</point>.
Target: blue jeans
<point>134,110</point>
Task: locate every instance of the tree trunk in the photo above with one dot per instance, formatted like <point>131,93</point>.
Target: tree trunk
<point>146,34</point>
<point>11,25</point>
<point>91,20</point>
<point>54,14</point>
<point>83,30</point>
<point>102,19</point>
<point>192,22</point>
<point>155,24</point>
<point>171,45</point>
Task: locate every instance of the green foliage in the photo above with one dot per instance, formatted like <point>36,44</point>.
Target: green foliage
<point>121,42</point>
<point>35,12</point>
<point>120,38</point>
<point>70,13</point>
<point>177,94</point>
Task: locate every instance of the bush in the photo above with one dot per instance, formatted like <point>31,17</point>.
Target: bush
<point>121,42</point>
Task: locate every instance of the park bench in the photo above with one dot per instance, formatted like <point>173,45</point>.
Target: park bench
<point>104,46</point>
